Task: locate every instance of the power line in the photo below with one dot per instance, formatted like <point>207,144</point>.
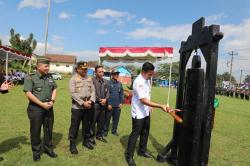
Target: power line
<point>238,50</point>
<point>242,59</point>
<point>243,49</point>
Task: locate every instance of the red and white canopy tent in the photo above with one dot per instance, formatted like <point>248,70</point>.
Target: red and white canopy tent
<point>8,54</point>
<point>136,54</point>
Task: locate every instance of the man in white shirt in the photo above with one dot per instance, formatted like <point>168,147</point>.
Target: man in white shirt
<point>140,111</point>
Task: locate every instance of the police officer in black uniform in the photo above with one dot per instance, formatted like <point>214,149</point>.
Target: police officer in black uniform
<point>82,92</point>
<point>40,89</point>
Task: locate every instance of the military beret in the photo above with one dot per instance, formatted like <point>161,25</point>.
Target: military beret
<point>43,60</point>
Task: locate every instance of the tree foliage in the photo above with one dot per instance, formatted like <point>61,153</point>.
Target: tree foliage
<point>224,77</point>
<point>135,70</point>
<point>164,70</point>
<point>26,46</point>
<point>247,79</point>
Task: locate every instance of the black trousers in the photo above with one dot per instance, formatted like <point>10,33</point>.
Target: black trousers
<point>115,114</point>
<point>140,127</point>
<point>39,117</point>
<point>99,118</point>
<point>77,116</point>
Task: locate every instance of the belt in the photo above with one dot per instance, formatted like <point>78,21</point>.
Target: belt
<point>84,99</point>
<point>33,106</point>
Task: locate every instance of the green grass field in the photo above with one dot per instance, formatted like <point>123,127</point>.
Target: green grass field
<point>230,144</point>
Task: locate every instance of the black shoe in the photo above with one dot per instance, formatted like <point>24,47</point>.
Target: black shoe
<point>92,142</point>
<point>115,133</point>
<point>88,145</point>
<point>130,161</point>
<point>51,154</point>
<point>102,139</point>
<point>72,148</point>
<point>36,157</point>
<point>144,154</point>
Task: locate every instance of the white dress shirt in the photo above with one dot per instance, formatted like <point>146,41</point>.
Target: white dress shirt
<point>141,89</point>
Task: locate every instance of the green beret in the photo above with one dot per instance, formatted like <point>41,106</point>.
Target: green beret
<point>43,60</point>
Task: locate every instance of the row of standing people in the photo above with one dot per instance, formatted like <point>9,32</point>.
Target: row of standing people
<point>94,102</point>
<point>90,100</point>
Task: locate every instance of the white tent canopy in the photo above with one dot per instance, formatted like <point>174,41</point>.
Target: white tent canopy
<point>8,54</point>
<point>12,54</point>
<point>137,54</point>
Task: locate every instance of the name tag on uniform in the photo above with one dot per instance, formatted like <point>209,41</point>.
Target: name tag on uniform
<point>38,89</point>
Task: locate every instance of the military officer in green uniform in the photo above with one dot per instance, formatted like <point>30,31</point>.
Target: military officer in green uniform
<point>40,89</point>
<point>82,92</point>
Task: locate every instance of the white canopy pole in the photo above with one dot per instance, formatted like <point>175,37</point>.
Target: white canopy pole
<point>6,65</point>
<point>99,63</point>
<point>170,79</point>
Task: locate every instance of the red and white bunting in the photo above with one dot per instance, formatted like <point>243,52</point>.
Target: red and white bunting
<point>140,52</point>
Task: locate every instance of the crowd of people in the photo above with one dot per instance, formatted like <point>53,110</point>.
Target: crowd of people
<point>14,76</point>
<point>95,101</point>
<point>242,93</point>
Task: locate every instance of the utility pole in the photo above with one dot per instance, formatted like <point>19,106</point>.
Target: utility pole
<point>231,66</point>
<point>240,75</point>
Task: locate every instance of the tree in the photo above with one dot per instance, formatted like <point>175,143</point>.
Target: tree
<point>164,70</point>
<point>132,68</point>
<point>247,79</point>
<point>26,46</point>
<point>224,77</point>
<point>219,79</point>
<point>0,42</point>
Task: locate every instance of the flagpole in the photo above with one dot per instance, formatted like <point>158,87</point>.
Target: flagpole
<point>46,27</point>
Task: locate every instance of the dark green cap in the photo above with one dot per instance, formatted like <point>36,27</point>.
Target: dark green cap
<point>43,60</point>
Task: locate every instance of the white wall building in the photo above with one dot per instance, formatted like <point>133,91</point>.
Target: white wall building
<point>61,63</point>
